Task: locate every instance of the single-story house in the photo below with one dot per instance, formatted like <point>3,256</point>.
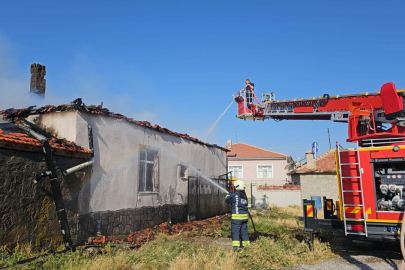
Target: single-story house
<point>140,171</point>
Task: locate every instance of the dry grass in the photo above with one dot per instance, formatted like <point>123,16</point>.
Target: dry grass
<point>279,246</point>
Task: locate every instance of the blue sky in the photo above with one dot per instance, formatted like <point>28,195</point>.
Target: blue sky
<point>177,63</point>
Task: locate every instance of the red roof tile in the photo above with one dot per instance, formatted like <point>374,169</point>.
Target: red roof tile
<point>93,109</point>
<point>325,163</point>
<point>285,187</point>
<point>249,151</point>
<point>24,139</point>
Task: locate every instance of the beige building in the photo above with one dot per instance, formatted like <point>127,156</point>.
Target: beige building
<point>255,165</point>
<point>317,176</point>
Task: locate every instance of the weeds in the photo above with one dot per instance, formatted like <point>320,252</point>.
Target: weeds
<point>278,246</point>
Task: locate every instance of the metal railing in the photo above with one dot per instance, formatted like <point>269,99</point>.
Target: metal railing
<point>382,141</point>
<point>247,107</point>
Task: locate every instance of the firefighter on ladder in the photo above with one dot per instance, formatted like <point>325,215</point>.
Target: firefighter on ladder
<point>249,88</point>
<point>239,209</point>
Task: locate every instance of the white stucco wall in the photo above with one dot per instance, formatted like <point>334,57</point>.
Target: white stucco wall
<point>60,124</point>
<point>114,183</point>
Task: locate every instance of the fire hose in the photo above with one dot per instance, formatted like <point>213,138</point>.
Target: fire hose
<point>254,228</point>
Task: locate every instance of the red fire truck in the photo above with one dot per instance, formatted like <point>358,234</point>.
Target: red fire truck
<point>370,177</point>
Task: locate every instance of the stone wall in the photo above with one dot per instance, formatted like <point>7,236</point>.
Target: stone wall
<point>27,211</point>
<point>317,184</point>
<point>124,221</point>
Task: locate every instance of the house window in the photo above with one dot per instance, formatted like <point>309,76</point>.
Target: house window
<point>264,171</point>
<point>237,171</point>
<point>148,169</point>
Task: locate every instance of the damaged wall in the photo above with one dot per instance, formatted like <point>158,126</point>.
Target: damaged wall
<point>27,211</point>
<point>116,148</point>
<point>114,184</point>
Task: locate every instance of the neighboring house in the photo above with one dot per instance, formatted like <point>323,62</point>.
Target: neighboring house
<point>140,171</point>
<point>255,165</point>
<point>318,176</point>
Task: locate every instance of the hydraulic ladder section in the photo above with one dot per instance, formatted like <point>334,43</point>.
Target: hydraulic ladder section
<point>354,179</point>
<point>336,108</point>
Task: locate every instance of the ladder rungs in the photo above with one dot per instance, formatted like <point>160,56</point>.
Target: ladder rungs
<point>350,177</point>
<point>349,163</point>
<point>352,191</point>
<point>353,205</point>
<point>355,219</point>
<point>347,150</point>
<point>356,233</point>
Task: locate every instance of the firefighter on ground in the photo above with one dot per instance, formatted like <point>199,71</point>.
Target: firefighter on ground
<point>239,209</point>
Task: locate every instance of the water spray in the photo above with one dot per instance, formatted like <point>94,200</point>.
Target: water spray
<point>194,169</point>
<point>211,129</point>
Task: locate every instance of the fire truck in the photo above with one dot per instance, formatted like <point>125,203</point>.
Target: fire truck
<point>371,176</point>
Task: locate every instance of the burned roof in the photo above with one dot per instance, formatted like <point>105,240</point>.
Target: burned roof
<point>15,114</point>
<point>12,137</point>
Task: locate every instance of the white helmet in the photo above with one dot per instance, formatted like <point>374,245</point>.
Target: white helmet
<point>239,185</point>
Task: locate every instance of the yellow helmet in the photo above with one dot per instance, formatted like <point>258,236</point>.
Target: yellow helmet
<point>239,185</point>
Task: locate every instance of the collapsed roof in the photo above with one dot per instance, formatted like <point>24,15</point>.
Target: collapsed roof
<point>15,114</point>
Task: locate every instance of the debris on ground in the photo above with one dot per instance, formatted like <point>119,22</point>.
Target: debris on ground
<point>191,229</point>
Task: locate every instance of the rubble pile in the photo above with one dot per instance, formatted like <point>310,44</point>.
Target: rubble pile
<point>190,229</point>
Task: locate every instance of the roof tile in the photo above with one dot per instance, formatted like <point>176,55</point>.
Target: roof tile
<point>249,151</point>
<point>80,106</point>
<point>325,163</point>
<point>25,139</point>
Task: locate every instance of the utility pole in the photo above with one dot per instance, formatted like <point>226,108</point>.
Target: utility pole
<point>330,146</point>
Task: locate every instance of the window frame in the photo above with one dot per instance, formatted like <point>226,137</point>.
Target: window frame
<point>265,165</point>
<point>141,162</point>
<point>236,166</point>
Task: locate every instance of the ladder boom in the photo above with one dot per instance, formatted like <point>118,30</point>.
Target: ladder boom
<point>364,112</point>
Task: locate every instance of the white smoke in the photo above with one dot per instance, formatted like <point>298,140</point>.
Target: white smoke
<point>85,83</point>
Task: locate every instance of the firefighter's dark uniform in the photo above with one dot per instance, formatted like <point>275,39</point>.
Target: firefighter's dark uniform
<point>239,210</point>
<point>249,93</point>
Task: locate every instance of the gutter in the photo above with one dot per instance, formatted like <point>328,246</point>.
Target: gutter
<point>78,167</point>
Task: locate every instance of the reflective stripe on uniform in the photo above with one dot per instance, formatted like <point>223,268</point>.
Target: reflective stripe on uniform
<point>236,243</point>
<point>240,216</point>
<point>227,195</point>
<point>245,243</point>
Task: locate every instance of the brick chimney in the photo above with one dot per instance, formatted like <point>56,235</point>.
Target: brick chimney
<point>229,144</point>
<point>38,81</point>
<point>310,159</point>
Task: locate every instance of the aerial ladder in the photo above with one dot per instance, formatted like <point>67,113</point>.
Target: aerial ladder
<point>370,177</point>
